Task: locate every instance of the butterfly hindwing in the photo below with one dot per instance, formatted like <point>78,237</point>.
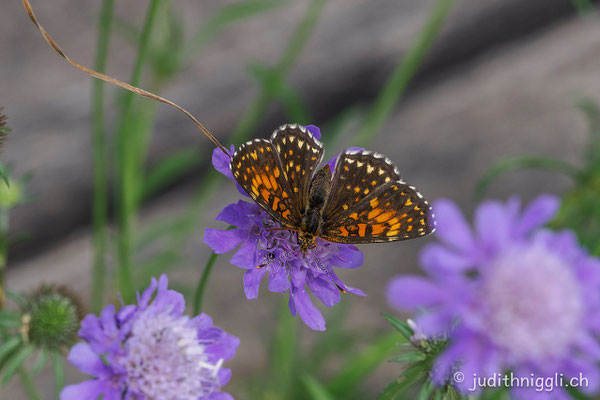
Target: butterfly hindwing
<point>394,211</point>
<point>300,154</point>
<point>259,171</point>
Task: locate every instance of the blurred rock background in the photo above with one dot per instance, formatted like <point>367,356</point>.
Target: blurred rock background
<point>502,79</point>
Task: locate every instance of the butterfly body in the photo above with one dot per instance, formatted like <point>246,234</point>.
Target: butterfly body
<point>364,200</point>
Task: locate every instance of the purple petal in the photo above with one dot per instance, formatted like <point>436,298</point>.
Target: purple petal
<point>221,161</point>
<point>306,309</point>
<point>314,130</point>
<point>413,292</point>
<point>82,356</point>
<point>538,212</point>
<point>348,256</point>
<point>452,227</point>
<point>245,257</point>
<point>232,216</point>
<point>90,390</point>
<point>252,279</point>
<point>325,291</point>
<point>438,260</point>
<point>494,225</point>
<point>220,396</point>
<point>222,241</point>
<point>278,279</point>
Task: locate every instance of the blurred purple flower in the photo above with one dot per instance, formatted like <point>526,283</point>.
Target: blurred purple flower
<point>280,254</point>
<point>151,351</point>
<point>510,295</point>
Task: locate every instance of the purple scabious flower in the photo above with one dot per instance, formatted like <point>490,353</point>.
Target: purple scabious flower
<point>151,351</point>
<point>510,295</point>
<point>279,254</point>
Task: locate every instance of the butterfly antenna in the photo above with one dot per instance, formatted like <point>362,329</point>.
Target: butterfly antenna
<point>126,86</point>
<point>322,267</point>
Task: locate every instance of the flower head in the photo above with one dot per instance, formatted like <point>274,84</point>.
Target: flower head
<point>277,253</point>
<point>151,351</point>
<point>511,296</point>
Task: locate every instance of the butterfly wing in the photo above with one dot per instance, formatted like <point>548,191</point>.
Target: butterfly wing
<point>257,167</point>
<point>300,154</point>
<point>369,202</point>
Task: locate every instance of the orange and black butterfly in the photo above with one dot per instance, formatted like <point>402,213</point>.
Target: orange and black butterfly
<point>364,200</point>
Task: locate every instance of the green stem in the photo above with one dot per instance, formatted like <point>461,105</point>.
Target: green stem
<point>28,385</point>
<point>100,199</point>
<point>59,372</point>
<point>199,295</point>
<point>4,224</point>
<point>129,185</point>
<point>403,74</point>
<point>244,129</point>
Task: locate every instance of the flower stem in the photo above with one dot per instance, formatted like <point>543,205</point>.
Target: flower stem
<point>28,385</point>
<point>199,294</point>
<point>4,223</point>
<point>59,372</point>
<point>403,74</point>
<point>129,188</point>
<point>100,198</point>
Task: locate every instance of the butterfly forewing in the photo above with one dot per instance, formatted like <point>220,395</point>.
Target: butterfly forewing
<point>259,171</point>
<point>394,211</point>
<point>300,154</point>
<point>357,174</point>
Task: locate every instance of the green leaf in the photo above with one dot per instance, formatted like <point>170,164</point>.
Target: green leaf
<point>361,365</point>
<point>8,348</point>
<point>4,174</point>
<point>15,362</point>
<point>316,390</point>
<point>10,319</point>
<point>40,362</point>
<point>400,325</point>
<point>426,390</point>
<point>399,388</point>
<point>170,168</point>
<point>408,357</point>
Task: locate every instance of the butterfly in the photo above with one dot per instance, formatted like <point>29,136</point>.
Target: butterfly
<point>364,200</point>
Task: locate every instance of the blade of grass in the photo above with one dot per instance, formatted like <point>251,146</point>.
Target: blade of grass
<point>283,354</point>
<point>403,74</point>
<point>362,364</point>
<point>128,186</point>
<point>100,162</point>
<point>316,390</point>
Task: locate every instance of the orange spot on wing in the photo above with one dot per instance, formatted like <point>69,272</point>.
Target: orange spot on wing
<point>353,215</point>
<point>285,214</point>
<point>276,170</point>
<point>385,216</point>
<point>410,227</point>
<point>362,229</point>
<point>374,202</point>
<point>275,203</point>
<point>343,231</point>
<point>374,213</point>
<point>273,182</point>
<point>265,180</point>
<point>357,189</point>
<point>265,194</point>
<point>377,229</point>
<point>392,233</point>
